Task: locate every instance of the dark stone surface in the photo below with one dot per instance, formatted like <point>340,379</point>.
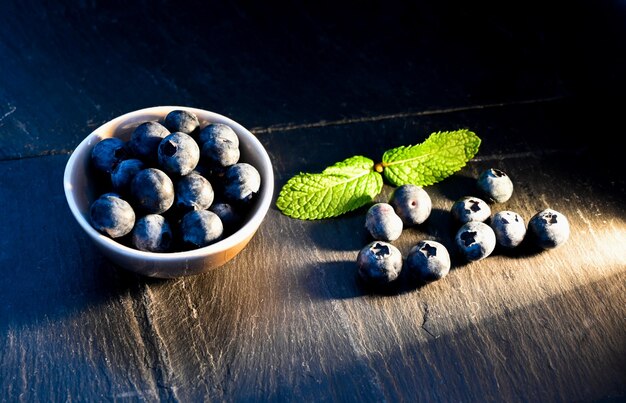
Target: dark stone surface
<point>68,67</point>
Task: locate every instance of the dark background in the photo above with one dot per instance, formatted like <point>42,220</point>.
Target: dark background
<point>542,84</point>
<point>67,68</point>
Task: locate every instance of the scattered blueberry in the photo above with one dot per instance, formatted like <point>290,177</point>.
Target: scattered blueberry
<point>379,263</point>
<point>152,190</point>
<point>178,154</point>
<point>412,203</point>
<point>180,120</point>
<point>220,145</point>
<point>382,222</point>
<point>509,228</point>
<point>549,228</point>
<point>107,153</point>
<point>194,192</point>
<point>428,261</point>
<point>144,140</point>
<point>242,181</point>
<point>112,215</point>
<point>201,228</point>
<point>470,208</point>
<point>475,240</point>
<point>123,174</point>
<point>152,233</point>
<point>496,185</point>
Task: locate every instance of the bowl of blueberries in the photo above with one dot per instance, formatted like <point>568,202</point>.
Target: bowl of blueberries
<point>170,191</point>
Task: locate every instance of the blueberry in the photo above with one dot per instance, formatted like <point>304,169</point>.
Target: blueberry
<point>379,263</point>
<point>470,208</point>
<point>178,154</point>
<point>220,145</point>
<point>152,233</point>
<point>228,214</point>
<point>180,120</point>
<point>112,215</point>
<point>509,227</point>
<point>213,173</point>
<point>194,192</point>
<point>549,228</point>
<point>495,185</point>
<point>201,228</point>
<point>144,140</point>
<point>428,261</point>
<point>412,203</point>
<point>242,181</point>
<point>382,222</point>
<point>107,153</point>
<point>123,174</point>
<point>152,191</point>
<point>221,132</point>
<point>475,240</point>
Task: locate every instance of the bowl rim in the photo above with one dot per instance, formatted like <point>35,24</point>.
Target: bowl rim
<point>243,234</point>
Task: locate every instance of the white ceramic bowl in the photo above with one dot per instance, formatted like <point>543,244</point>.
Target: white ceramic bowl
<point>80,193</point>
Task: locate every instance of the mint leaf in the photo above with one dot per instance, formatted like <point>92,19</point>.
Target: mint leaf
<point>439,156</point>
<point>356,181</point>
<point>340,188</point>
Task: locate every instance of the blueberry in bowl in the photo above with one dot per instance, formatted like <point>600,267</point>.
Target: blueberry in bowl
<point>220,145</point>
<point>178,154</point>
<point>130,183</point>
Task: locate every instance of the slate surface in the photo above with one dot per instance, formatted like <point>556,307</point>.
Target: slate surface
<point>286,320</point>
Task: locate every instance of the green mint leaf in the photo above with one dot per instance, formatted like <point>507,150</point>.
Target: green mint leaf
<point>340,188</point>
<point>439,156</point>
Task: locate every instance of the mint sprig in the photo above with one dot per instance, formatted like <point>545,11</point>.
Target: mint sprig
<point>441,155</point>
<point>340,188</point>
<point>356,181</point>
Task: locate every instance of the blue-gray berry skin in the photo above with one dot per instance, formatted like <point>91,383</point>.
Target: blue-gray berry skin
<point>509,228</point>
<point>496,185</point>
<point>194,192</point>
<point>107,153</point>
<point>145,139</point>
<point>152,191</point>
<point>152,233</point>
<point>201,228</point>
<point>178,154</point>
<point>382,222</point>
<point>412,203</point>
<point>221,132</point>
<point>428,261</point>
<point>180,120</point>
<point>469,208</point>
<point>475,240</point>
<point>228,214</point>
<point>112,216</point>
<point>550,228</point>
<point>242,182</point>
<point>220,145</point>
<point>379,263</point>
<point>123,174</point>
